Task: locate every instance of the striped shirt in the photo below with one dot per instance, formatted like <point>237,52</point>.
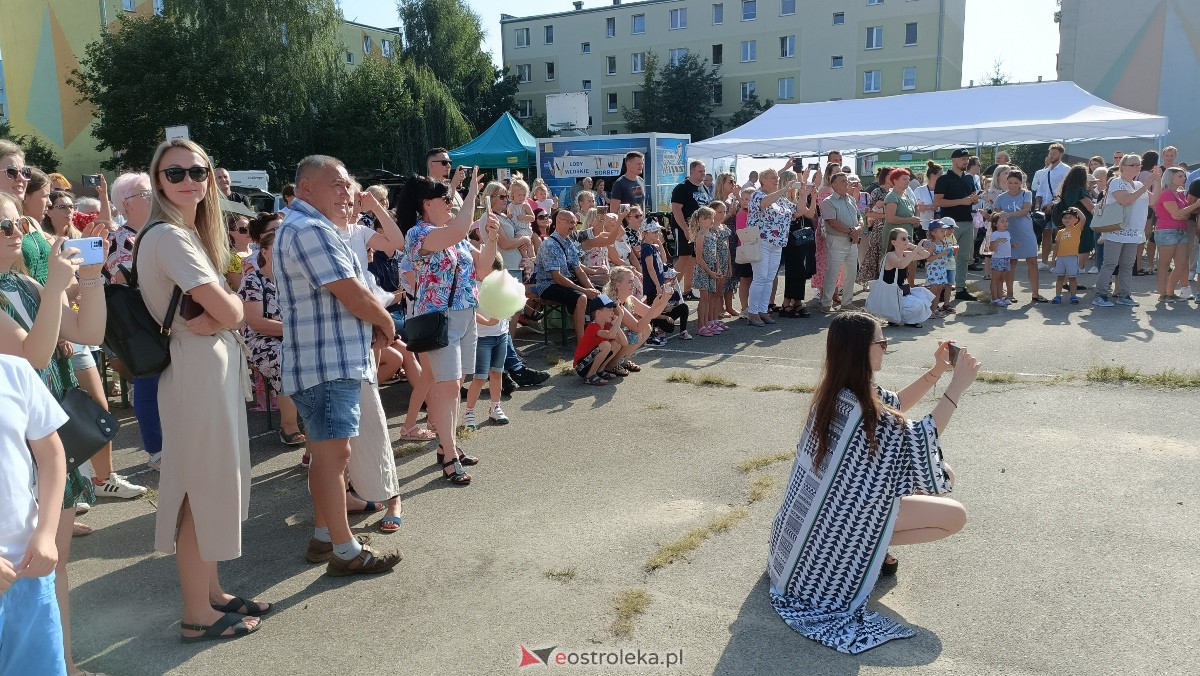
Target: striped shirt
<point>322,341</point>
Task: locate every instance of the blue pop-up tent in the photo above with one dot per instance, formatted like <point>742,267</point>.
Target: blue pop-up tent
<point>505,144</point>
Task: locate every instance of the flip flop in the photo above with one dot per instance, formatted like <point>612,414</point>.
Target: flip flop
<point>416,433</point>
<point>390,524</point>
<point>237,603</point>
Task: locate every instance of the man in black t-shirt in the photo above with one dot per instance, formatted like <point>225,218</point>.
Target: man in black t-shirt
<point>954,194</point>
<point>629,189</point>
<point>686,198</point>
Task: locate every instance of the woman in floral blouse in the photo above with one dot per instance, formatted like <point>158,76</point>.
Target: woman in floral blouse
<point>771,212</point>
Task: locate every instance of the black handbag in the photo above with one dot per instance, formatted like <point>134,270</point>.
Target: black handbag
<point>802,236</point>
<point>130,332</point>
<point>431,331</point>
<point>88,428</point>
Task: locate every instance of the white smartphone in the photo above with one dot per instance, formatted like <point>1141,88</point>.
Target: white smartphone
<point>91,249</point>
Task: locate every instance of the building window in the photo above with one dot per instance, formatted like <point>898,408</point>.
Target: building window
<point>678,55</point>
<point>637,100</point>
<point>639,62</point>
<point>787,46</point>
<point>612,102</point>
<point>749,50</point>
<point>839,18</point>
<point>549,71</point>
<point>718,13</point>
<point>549,34</point>
<point>910,34</point>
<point>749,10</point>
<point>910,78</point>
<point>718,94</point>
<point>874,37</point>
<point>678,18</point>
<point>835,62</point>
<point>585,48</point>
<point>718,55</point>
<point>610,27</point>
<point>128,5</point>
<point>587,85</point>
<point>386,48</point>
<point>525,108</point>
<point>747,90</point>
<point>871,82</point>
<point>638,24</point>
<point>787,87</point>
<point>367,45</point>
<point>522,37</point>
<point>524,73</point>
<point>350,58</point>
<point>612,65</point>
<point>787,7</point>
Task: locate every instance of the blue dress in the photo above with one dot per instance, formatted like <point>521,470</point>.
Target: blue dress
<point>1021,229</point>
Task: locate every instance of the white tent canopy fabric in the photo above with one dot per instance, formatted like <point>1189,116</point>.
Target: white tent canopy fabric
<point>1006,114</point>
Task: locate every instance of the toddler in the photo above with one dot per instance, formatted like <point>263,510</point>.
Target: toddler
<point>490,351</point>
<point>600,347</point>
<point>1000,245</point>
<point>1066,254</point>
<point>936,277</point>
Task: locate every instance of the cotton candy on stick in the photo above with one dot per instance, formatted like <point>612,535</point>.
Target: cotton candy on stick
<point>501,295</point>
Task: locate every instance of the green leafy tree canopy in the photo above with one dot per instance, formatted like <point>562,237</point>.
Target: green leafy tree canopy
<point>676,98</point>
<point>751,108</point>
<point>38,153</point>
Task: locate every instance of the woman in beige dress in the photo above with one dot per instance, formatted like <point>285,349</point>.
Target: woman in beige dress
<point>204,493</point>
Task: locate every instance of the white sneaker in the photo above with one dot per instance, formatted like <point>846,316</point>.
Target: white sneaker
<point>82,508</point>
<point>497,415</point>
<point>1186,293</point>
<point>155,461</point>
<point>117,486</point>
<point>1092,271</point>
<point>1043,266</point>
<point>469,419</point>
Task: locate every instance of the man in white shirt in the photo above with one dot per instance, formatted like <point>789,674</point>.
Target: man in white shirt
<point>1045,188</point>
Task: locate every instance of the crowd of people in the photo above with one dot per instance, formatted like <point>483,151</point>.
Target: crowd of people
<point>316,301</point>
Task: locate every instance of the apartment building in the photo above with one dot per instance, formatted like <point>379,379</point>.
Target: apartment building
<point>791,51</point>
<point>42,41</point>
<point>1145,57</point>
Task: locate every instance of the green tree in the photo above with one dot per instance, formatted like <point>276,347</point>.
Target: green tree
<point>38,153</point>
<point>537,126</point>
<point>446,36</point>
<point>751,108</point>
<point>676,98</point>
<point>387,113</point>
<point>1029,158</point>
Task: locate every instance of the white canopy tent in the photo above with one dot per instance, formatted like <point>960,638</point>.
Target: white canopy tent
<point>1008,114</point>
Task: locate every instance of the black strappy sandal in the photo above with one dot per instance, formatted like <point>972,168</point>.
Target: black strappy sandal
<point>466,460</point>
<point>237,603</point>
<point>459,477</point>
<point>216,630</point>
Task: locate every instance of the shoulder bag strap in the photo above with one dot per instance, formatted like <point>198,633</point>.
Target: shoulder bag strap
<point>131,278</point>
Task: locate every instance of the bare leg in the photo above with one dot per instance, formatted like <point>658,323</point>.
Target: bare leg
<point>926,518</point>
<point>576,319</point>
<point>327,485</point>
<point>443,409</point>
<point>1031,265</point>
<point>744,292</point>
<point>62,587</point>
<point>198,579</point>
<point>420,388</point>
<point>288,419</point>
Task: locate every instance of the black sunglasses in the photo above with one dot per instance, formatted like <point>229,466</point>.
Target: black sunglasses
<point>444,163</point>
<point>241,229</point>
<point>12,172</point>
<point>198,174</point>
<point>8,227</point>
<point>883,342</point>
<point>543,217</point>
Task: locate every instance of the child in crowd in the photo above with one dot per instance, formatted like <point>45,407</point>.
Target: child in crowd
<point>490,352</point>
<point>31,638</point>
<point>522,217</point>
<point>936,277</point>
<point>999,243</point>
<point>598,350</point>
<point>541,195</point>
<point>711,269</point>
<point>721,216</point>
<point>1066,252</point>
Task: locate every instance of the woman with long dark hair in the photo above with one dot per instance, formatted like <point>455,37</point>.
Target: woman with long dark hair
<point>876,475</point>
<point>1074,193</point>
<point>1146,177</point>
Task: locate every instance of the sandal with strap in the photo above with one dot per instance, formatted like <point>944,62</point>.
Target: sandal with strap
<point>466,460</point>
<point>416,433</point>
<point>253,608</point>
<point>216,630</point>
<point>390,524</point>
<point>296,438</point>
<point>630,366</point>
<point>458,477</point>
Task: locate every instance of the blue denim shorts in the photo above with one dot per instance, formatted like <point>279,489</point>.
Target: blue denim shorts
<point>1170,236</point>
<point>490,353</point>
<point>399,319</point>
<point>1001,264</point>
<point>950,275</point>
<point>330,409</point>
<point>31,629</point>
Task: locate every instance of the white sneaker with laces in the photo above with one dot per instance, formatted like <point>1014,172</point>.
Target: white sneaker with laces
<point>470,419</point>
<point>1092,271</point>
<point>496,414</point>
<point>117,486</point>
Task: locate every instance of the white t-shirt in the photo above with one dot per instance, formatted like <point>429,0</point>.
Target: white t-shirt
<point>923,195</point>
<point>1000,244</point>
<point>357,236</point>
<point>30,413</point>
<point>1134,230</point>
<point>498,329</point>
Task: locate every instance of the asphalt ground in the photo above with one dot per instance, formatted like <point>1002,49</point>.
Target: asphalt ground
<point>1076,558</point>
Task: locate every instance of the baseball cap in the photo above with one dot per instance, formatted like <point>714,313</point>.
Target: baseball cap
<point>939,224</point>
<point>961,152</point>
<point>650,226</point>
<point>600,302</point>
<point>946,222</point>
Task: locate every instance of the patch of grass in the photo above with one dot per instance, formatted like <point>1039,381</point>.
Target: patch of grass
<point>629,604</point>
<point>410,448</point>
<point>464,433</point>
<point>561,574</point>
<point>1169,379</point>
<point>658,406</point>
<point>761,486</point>
<point>564,368</point>
<point>998,377</point>
<point>702,380</point>
<point>798,388</point>
<point>759,461</point>
<point>552,355</point>
<point>691,540</point>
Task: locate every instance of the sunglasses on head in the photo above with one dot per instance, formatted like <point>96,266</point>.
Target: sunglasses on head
<point>197,173</point>
<point>8,227</point>
<point>12,172</point>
